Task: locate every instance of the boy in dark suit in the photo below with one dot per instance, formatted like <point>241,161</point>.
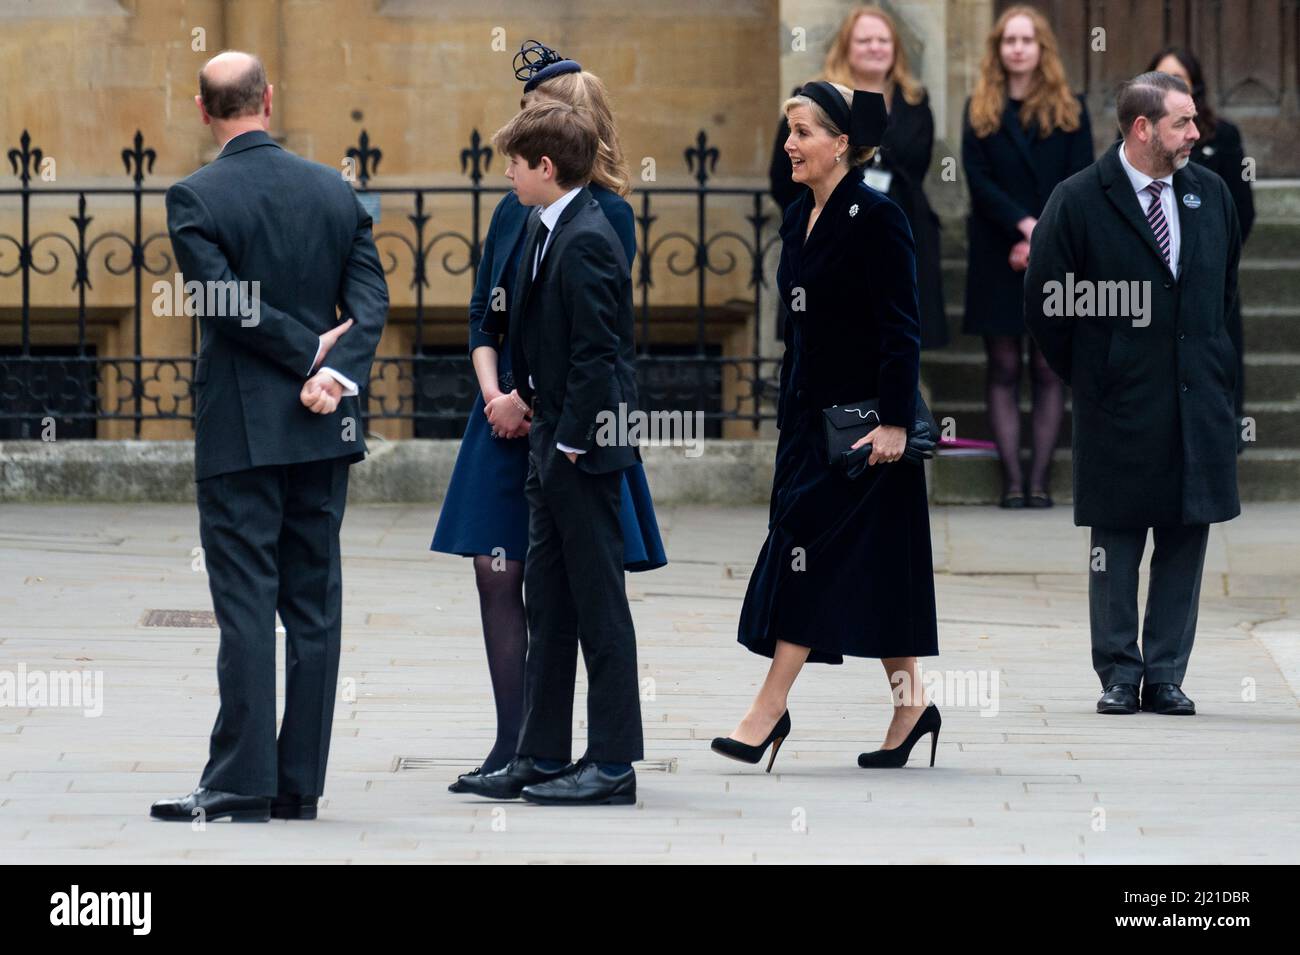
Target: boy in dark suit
<point>571,325</point>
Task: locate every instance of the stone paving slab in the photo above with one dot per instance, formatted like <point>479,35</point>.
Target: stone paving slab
<point>1039,777</point>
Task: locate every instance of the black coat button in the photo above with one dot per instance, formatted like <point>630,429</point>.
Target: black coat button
<point>1169,285</point>
<point>1184,386</point>
<point>1181,336</point>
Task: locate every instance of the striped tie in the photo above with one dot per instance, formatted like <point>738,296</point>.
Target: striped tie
<point>1156,217</point>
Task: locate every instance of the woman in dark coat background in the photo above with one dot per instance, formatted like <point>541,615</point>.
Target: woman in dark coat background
<point>867,54</point>
<point>1221,149</point>
<point>1023,132</point>
<point>846,568</point>
<point>484,514</point>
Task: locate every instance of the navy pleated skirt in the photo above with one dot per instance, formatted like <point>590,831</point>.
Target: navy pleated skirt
<point>485,509</point>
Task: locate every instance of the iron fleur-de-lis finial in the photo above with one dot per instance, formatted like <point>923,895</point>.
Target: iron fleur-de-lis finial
<point>469,158</point>
<point>135,158</point>
<point>25,161</point>
<point>367,157</point>
<point>703,154</point>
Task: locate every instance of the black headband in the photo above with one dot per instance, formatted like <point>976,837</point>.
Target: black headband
<point>864,122</point>
<point>536,63</point>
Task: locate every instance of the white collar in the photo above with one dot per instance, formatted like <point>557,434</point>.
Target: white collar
<point>1137,177</point>
<point>551,214</point>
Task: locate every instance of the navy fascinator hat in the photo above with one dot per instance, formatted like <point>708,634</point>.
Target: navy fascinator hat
<point>536,63</point>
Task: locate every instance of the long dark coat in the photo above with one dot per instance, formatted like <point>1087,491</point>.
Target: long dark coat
<point>1010,174</point>
<point>1155,434</point>
<point>846,567</point>
<point>905,152</point>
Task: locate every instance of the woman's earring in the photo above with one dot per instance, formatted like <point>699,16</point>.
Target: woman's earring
<point>837,157</point>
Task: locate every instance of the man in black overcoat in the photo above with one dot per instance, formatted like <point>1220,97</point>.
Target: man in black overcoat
<point>277,424</point>
<point>1130,290</point>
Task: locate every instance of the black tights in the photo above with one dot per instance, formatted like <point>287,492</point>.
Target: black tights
<point>1005,353</point>
<point>505,634</point>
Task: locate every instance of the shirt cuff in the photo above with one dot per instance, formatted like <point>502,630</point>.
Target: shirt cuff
<point>349,386</point>
<point>314,362</point>
<point>568,450</point>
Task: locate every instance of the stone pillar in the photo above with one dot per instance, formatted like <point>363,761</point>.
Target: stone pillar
<point>254,26</point>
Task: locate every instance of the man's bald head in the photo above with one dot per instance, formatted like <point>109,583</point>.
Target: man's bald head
<point>232,84</point>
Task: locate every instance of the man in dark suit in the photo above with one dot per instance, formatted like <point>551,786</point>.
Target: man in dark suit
<point>1130,291</point>
<point>277,424</point>
<point>573,356</point>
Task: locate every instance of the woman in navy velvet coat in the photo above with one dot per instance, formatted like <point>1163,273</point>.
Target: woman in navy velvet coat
<point>484,514</point>
<point>846,568</point>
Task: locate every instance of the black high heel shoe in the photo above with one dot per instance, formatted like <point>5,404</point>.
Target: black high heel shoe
<point>929,722</point>
<point>734,749</point>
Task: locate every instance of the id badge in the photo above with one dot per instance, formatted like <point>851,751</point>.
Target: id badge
<point>878,179</point>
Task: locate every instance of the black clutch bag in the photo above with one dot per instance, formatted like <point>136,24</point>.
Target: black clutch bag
<point>845,424</point>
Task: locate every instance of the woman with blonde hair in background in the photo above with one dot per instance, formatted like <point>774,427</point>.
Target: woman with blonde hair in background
<point>868,54</point>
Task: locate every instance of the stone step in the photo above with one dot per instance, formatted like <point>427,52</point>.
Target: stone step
<point>1275,238</point>
<point>1277,423</point>
<point>1277,217</point>
<point>1269,329</point>
<point>960,375</point>
<point>1262,475</point>
<point>731,472</point>
<point>1277,198</point>
<point>1271,282</point>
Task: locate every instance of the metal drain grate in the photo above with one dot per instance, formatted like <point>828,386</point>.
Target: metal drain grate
<point>179,618</point>
<point>403,764</point>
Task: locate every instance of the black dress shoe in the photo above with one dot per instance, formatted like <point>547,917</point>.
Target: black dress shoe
<point>735,749</point>
<point>211,805</point>
<point>459,785</point>
<point>1038,499</point>
<point>588,785</point>
<point>1119,698</point>
<point>509,781</point>
<point>1166,698</point>
<point>291,806</point>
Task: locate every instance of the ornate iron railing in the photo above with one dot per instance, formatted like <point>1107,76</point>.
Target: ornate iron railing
<point>63,376</point>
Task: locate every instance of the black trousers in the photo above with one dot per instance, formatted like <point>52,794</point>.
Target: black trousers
<point>1173,595</point>
<point>270,538</point>
<point>575,597</point>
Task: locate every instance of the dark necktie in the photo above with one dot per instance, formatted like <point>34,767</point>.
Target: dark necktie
<point>1156,217</point>
<point>538,247</point>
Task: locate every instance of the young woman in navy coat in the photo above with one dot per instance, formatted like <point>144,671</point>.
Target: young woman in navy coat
<point>484,514</point>
<point>1024,132</point>
<point>846,568</point>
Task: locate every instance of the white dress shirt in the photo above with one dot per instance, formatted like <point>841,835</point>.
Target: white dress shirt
<point>1140,181</point>
<point>550,216</point>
